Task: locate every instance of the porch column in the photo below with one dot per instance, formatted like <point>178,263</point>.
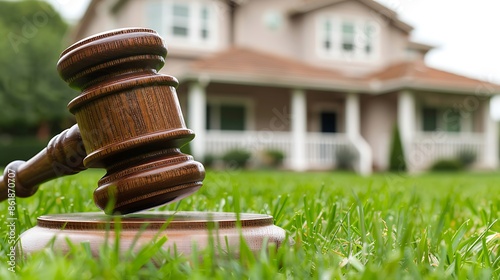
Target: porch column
<point>197,118</point>
<point>352,115</point>
<point>299,130</point>
<point>354,134</point>
<point>490,138</point>
<point>406,120</point>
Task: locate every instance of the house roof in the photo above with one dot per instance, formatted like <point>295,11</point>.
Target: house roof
<point>389,14</point>
<point>240,65</point>
<point>416,74</point>
<point>420,46</point>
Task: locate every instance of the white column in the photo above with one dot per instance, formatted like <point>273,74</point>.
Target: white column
<point>406,119</point>
<point>354,134</point>
<point>197,118</point>
<point>490,138</point>
<point>299,130</point>
<point>352,115</point>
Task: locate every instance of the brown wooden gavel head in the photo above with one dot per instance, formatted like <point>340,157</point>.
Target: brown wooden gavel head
<point>130,123</point>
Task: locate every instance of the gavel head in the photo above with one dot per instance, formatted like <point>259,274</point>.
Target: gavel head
<point>130,120</point>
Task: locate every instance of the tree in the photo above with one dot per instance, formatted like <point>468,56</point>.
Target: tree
<point>397,157</point>
<point>31,93</point>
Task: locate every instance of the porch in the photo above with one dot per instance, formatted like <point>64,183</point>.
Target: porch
<point>311,128</point>
<point>428,147</point>
<point>449,126</point>
<point>322,149</point>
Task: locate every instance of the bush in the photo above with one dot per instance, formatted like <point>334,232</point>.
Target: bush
<point>467,157</point>
<point>397,157</point>
<point>236,158</point>
<point>345,158</point>
<point>19,149</point>
<point>447,165</point>
<point>209,160</point>
<point>273,158</point>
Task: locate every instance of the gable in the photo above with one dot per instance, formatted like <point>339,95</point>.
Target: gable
<point>371,6</point>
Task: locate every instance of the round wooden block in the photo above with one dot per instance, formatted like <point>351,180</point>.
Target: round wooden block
<point>184,229</point>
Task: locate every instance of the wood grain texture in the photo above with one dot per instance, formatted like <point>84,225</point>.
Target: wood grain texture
<point>129,122</point>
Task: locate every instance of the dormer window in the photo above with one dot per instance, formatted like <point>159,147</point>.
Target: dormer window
<point>184,23</point>
<point>351,39</point>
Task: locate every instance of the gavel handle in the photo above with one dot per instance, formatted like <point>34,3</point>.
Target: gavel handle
<point>63,156</point>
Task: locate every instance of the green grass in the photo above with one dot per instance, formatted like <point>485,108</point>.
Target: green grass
<point>435,226</point>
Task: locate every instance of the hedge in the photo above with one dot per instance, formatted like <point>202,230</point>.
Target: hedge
<point>19,149</point>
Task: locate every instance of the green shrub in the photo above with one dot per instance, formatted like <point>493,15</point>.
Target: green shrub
<point>237,158</point>
<point>447,165</point>
<point>209,160</point>
<point>397,157</point>
<point>273,158</point>
<point>19,149</point>
<point>345,158</point>
<point>467,157</point>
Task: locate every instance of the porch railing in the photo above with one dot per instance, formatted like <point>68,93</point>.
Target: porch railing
<point>428,147</point>
<point>219,142</point>
<point>322,149</point>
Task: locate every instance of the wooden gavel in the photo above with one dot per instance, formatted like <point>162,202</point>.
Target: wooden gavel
<point>129,122</point>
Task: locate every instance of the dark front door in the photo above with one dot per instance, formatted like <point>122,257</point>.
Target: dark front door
<point>328,122</point>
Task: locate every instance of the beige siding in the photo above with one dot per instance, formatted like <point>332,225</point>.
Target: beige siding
<point>253,31</point>
<point>378,118</point>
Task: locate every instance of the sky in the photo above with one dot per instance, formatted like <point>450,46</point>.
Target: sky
<point>465,33</point>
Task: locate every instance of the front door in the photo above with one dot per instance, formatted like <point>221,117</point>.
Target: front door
<point>328,122</point>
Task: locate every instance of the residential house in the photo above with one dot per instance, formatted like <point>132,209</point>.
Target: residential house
<point>310,78</point>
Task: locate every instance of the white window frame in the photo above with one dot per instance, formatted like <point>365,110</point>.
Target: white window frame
<point>217,102</point>
<point>466,122</point>
<point>337,36</point>
<point>160,17</point>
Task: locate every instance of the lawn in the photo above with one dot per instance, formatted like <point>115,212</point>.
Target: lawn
<point>342,226</point>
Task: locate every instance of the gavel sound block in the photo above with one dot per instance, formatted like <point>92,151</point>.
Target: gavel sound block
<point>129,122</point>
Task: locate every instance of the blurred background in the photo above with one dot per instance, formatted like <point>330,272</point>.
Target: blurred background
<point>296,84</point>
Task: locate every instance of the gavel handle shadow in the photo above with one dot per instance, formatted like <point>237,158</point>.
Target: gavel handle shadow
<point>63,156</point>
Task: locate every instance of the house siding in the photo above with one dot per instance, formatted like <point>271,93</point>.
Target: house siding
<point>377,122</point>
<point>252,31</point>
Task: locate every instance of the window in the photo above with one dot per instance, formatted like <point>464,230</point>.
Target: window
<point>227,116</point>
<point>429,119</point>
<point>327,43</point>
<point>348,37</point>
<point>369,30</point>
<point>352,39</point>
<point>441,119</point>
<point>180,20</point>
<point>186,23</point>
<point>205,23</point>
